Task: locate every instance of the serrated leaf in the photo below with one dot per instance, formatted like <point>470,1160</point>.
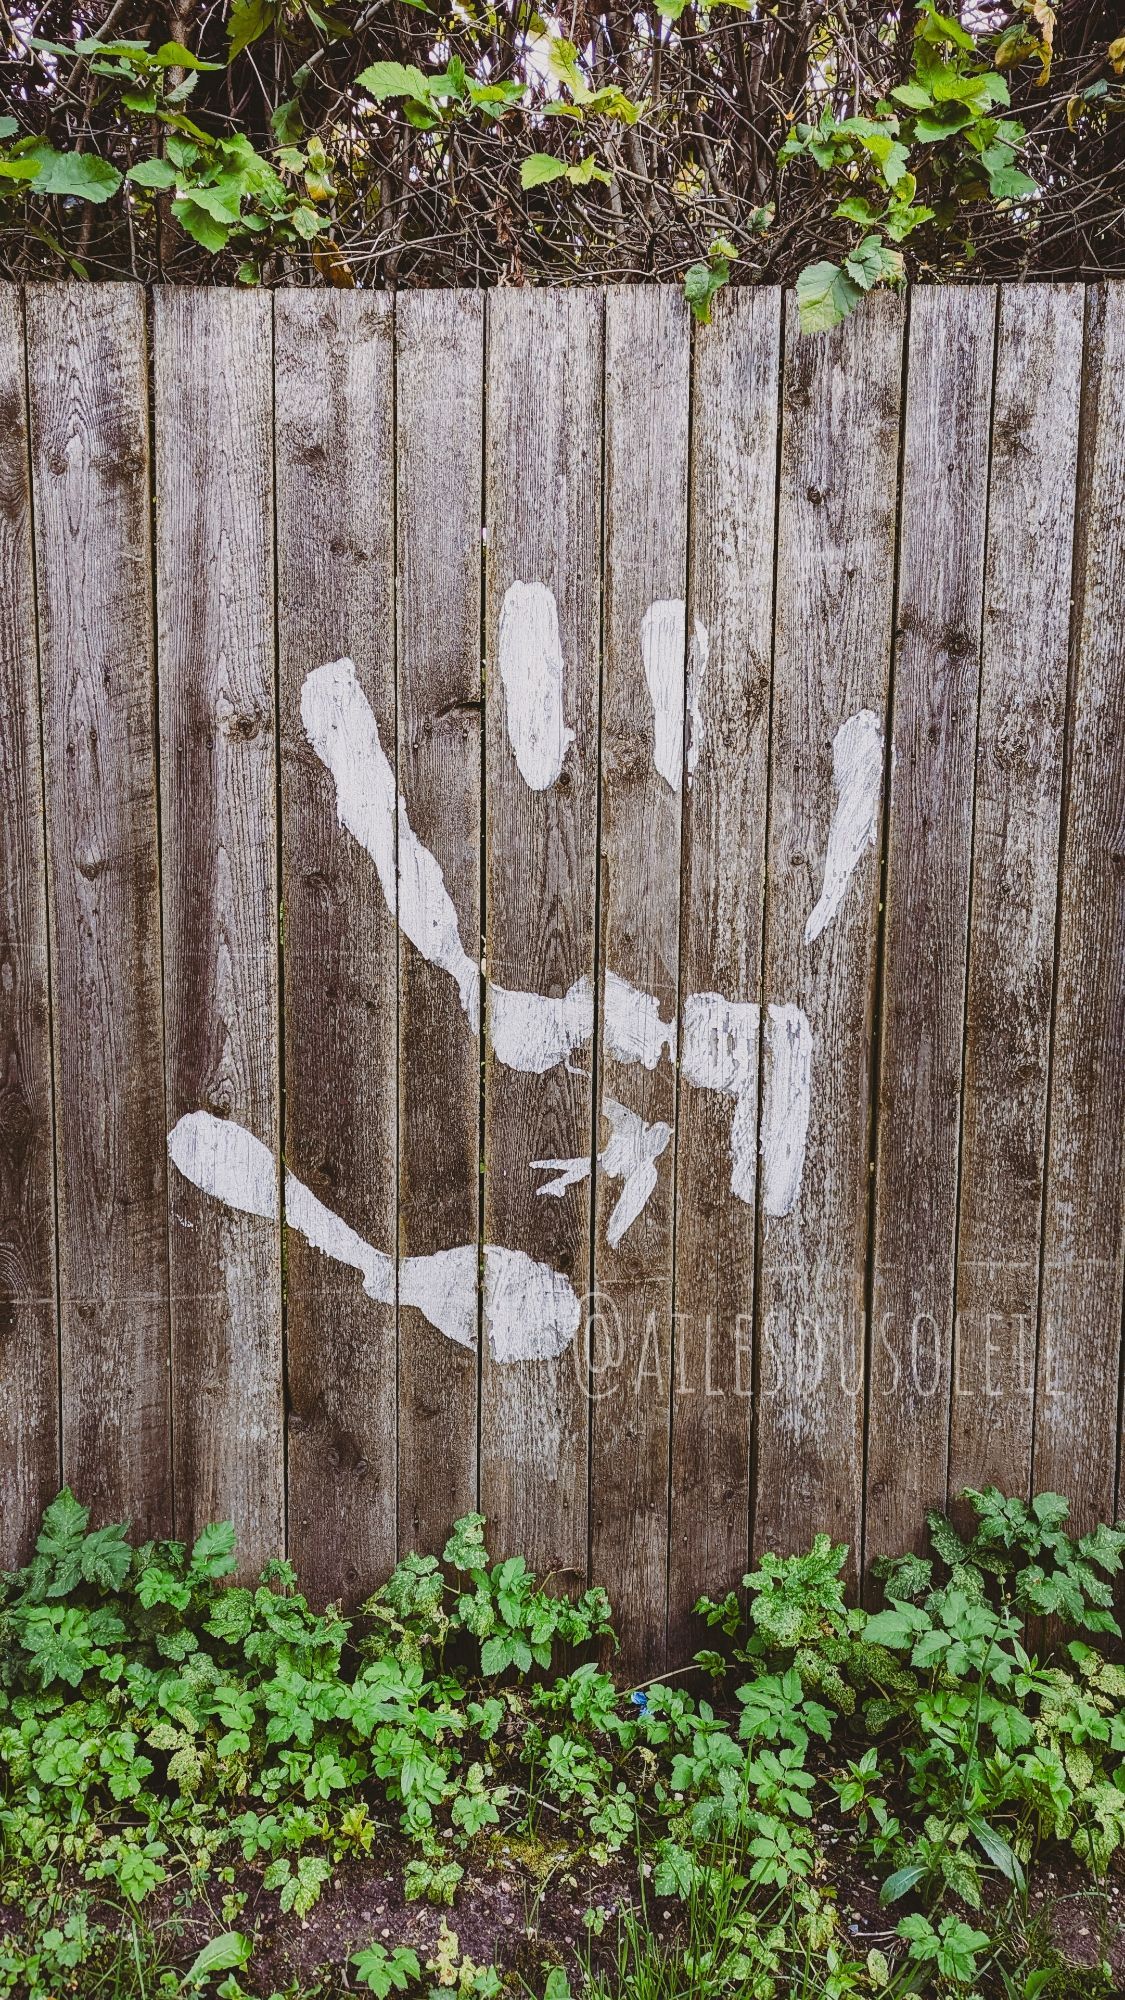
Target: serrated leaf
<point>81,176</point>
<point>539,169</point>
<point>248,20</point>
<point>825,296</point>
<point>173,55</point>
<point>152,174</point>
<point>200,224</point>
<point>386,80</point>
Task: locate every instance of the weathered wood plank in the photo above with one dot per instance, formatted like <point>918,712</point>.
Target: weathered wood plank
<point>836,535</point>
<point>1019,778</point>
<point>335,573</point>
<point>440,370</point>
<point>542,508</point>
<point>1076,1446</point>
<point>733,469</point>
<point>215,608</point>
<point>90,456</point>
<point>29,1364</point>
<point>647,377</point>
<point>926,895</point>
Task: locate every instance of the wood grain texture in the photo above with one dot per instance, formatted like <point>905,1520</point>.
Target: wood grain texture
<point>90,456</point>
<point>647,386</point>
<point>215,607</point>
<point>29,1385</point>
<point>440,376</point>
<point>335,597</point>
<point>733,469</point>
<point>926,894</point>
<point>1076,1410</point>
<point>1019,778</point>
<point>543,512</point>
<point>836,537</point>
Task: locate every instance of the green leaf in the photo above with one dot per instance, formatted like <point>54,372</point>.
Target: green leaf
<point>198,223</point>
<point>901,1882</point>
<point>8,128</point>
<point>701,282</point>
<point>173,55</point>
<point>249,20</point>
<point>383,80</point>
<point>213,1553</point>
<point>152,174</point>
<point>539,169</point>
<point>82,175</point>
<point>223,1954</point>
<point>825,296</point>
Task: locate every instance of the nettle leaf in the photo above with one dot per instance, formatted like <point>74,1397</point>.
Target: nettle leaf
<point>213,1553</point>
<point>539,169</point>
<point>385,80</point>
<point>825,296</point>
<point>84,176</point>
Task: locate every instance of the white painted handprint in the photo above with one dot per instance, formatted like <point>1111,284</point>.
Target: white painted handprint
<point>531,1311</point>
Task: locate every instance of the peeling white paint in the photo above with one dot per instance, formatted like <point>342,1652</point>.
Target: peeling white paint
<point>531,1032</point>
<point>788,1099</point>
<point>532,674</point>
<point>224,1160</point>
<point>328,1232</point>
<point>531,1312</point>
<point>857,773</point>
<point>662,651</point>
<point>443,1286</point>
<point>634,1031</point>
<point>699,652</point>
<point>630,1156</point>
<point>342,729</point>
<point>720,1052</point>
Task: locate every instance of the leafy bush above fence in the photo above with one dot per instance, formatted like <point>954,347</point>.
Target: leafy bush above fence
<point>717,138</point>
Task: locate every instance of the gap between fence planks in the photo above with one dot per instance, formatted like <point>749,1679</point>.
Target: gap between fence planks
<point>190,924</point>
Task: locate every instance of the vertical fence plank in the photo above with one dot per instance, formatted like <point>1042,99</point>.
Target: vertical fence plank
<point>542,508</point>
<point>1019,778</point>
<point>647,384</point>
<point>836,536</point>
<point>440,377</point>
<point>29,1384</point>
<point>335,512</point>
<point>925,940</point>
<point>1076,1411</point>
<point>215,599</point>
<point>90,454</point>
<point>733,472</point>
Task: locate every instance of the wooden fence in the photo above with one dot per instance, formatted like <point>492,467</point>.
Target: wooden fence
<point>633,818</point>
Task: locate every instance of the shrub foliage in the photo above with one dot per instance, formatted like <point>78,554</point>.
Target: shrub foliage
<point>411,142</point>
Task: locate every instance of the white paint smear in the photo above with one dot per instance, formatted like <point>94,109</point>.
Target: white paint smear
<point>720,1052</point>
<point>342,729</point>
<point>531,1311</point>
<point>634,1031</point>
<point>532,674</point>
<point>857,773</point>
<point>630,1156</point>
<point>699,652</point>
<point>785,1120</point>
<point>662,651</point>
<point>531,1032</point>
<point>226,1161</point>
